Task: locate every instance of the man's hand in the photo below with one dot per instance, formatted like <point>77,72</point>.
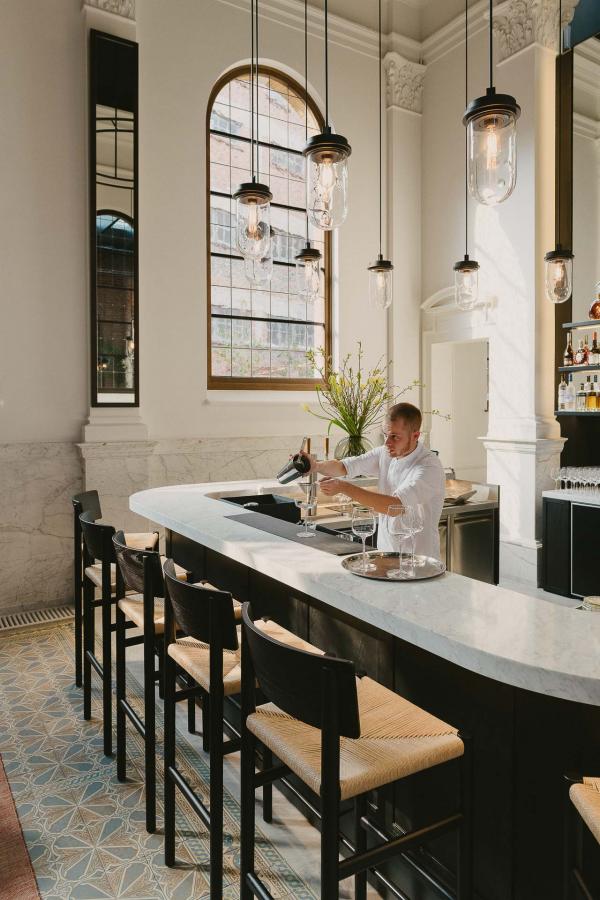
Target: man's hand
<point>331,486</point>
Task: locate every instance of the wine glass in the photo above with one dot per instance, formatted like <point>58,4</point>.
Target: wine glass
<point>417,527</point>
<point>363,526</point>
<point>401,525</point>
<point>306,504</point>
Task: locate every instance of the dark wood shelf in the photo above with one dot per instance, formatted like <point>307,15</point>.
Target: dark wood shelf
<point>592,368</point>
<point>575,412</point>
<point>589,323</point>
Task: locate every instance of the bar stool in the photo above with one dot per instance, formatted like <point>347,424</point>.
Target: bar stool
<point>208,651</point>
<point>89,501</point>
<point>140,573</point>
<point>343,737</point>
<point>584,795</point>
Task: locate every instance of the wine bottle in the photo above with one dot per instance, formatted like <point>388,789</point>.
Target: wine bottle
<point>594,357</point>
<point>568,355</point>
<point>570,398</point>
<point>562,394</point>
<point>580,355</point>
<point>586,351</point>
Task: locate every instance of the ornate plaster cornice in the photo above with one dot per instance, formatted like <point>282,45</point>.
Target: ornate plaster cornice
<point>520,23</point>
<point>125,8</point>
<point>403,82</point>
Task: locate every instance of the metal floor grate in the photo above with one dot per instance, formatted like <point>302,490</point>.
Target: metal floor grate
<point>36,617</point>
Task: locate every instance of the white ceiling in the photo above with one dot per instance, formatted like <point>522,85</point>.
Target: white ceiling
<point>415,19</point>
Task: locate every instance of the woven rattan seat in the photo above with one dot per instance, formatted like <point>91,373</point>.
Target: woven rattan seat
<point>94,573</point>
<point>133,606</point>
<point>586,800</point>
<point>397,739</point>
<point>194,656</point>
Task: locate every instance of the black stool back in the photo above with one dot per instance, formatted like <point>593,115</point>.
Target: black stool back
<point>97,540</point>
<point>88,501</point>
<point>205,614</point>
<point>305,685</point>
<point>140,570</point>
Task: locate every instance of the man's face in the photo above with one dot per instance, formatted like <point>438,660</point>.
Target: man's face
<point>400,439</point>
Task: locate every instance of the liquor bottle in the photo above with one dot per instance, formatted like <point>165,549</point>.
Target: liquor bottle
<point>580,355</point>
<point>562,394</point>
<point>570,398</point>
<point>568,355</point>
<point>594,312</point>
<point>580,399</point>
<point>586,350</point>
<point>594,357</point>
<point>590,394</point>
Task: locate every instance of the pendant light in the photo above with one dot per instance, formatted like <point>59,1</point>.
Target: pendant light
<point>559,262</point>
<point>466,271</point>
<point>259,271</point>
<point>380,272</point>
<point>253,199</point>
<point>491,123</point>
<point>327,169</point>
<point>308,260</point>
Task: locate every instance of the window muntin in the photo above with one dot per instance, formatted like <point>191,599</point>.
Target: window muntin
<point>258,337</point>
<point>115,303</point>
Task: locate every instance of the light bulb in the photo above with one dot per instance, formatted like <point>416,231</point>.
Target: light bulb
<point>253,213</point>
<point>491,123</point>
<point>466,283</point>
<point>559,275</point>
<point>327,180</point>
<point>308,273</point>
<point>380,283</point>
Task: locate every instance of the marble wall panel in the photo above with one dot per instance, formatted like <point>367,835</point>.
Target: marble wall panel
<point>37,481</point>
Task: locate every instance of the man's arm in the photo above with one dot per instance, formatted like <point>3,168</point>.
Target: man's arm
<point>331,467</point>
<point>373,499</point>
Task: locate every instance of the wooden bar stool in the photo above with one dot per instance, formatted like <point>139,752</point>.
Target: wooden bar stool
<point>343,737</point>
<point>89,501</point>
<point>208,650</point>
<point>140,572</point>
<point>584,795</point>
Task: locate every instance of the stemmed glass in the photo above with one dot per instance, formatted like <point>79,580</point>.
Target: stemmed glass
<point>306,505</point>
<point>417,527</point>
<point>363,526</point>
<point>401,524</point>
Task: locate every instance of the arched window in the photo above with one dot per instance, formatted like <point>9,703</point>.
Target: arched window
<point>258,337</point>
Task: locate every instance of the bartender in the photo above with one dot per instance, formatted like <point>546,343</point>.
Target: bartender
<point>407,472</point>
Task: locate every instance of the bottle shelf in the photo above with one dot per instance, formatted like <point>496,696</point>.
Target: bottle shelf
<point>577,412</point>
<point>587,368</point>
<point>589,323</point>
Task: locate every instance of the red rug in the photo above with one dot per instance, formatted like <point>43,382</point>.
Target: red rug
<point>17,879</point>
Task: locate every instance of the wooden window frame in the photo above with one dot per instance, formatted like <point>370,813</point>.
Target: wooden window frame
<point>226,382</point>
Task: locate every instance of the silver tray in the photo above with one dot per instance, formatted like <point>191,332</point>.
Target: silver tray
<point>386,562</point>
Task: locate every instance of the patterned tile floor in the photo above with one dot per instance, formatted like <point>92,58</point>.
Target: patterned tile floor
<point>84,830</point>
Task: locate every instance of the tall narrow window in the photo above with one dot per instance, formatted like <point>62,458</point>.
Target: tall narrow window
<point>258,336</point>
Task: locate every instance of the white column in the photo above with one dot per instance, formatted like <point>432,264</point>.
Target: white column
<point>523,440</point>
<point>404,86</point>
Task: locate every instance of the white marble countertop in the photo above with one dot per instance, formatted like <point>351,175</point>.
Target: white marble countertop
<point>583,496</point>
<point>513,638</point>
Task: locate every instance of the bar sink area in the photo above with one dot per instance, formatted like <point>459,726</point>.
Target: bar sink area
<point>299,450</point>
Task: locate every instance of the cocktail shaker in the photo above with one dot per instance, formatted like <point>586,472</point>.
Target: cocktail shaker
<point>296,466</point>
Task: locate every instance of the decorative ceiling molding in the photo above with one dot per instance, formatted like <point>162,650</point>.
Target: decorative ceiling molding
<point>124,8</point>
<point>452,35</point>
<point>585,127</point>
<point>403,82</point>
<point>521,23</point>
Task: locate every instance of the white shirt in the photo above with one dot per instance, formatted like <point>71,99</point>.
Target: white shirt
<point>416,478</point>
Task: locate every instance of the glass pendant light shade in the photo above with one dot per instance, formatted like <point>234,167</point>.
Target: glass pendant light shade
<point>327,179</point>
<point>253,213</point>
<point>559,274</point>
<point>259,271</point>
<point>308,273</point>
<point>491,123</point>
<point>380,283</point>
<point>466,282</point>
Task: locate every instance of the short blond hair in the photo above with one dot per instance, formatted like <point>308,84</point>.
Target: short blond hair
<point>408,413</point>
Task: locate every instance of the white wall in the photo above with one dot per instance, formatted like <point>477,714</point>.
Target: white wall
<point>181,57</point>
<point>586,223</point>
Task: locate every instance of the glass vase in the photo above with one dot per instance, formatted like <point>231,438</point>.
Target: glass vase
<point>352,445</point>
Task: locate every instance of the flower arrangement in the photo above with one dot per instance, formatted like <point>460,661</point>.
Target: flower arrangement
<point>353,399</point>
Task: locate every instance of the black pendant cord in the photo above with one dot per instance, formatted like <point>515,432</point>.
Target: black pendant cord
<point>466,129</point>
<point>559,141</point>
<point>380,125</point>
<point>252,90</point>
<point>306,90</point>
<point>257,99</point>
<point>491,43</point>
<point>326,73</point>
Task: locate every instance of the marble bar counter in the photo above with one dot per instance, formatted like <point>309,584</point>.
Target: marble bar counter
<point>507,636</point>
<point>583,495</point>
<point>518,673</point>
